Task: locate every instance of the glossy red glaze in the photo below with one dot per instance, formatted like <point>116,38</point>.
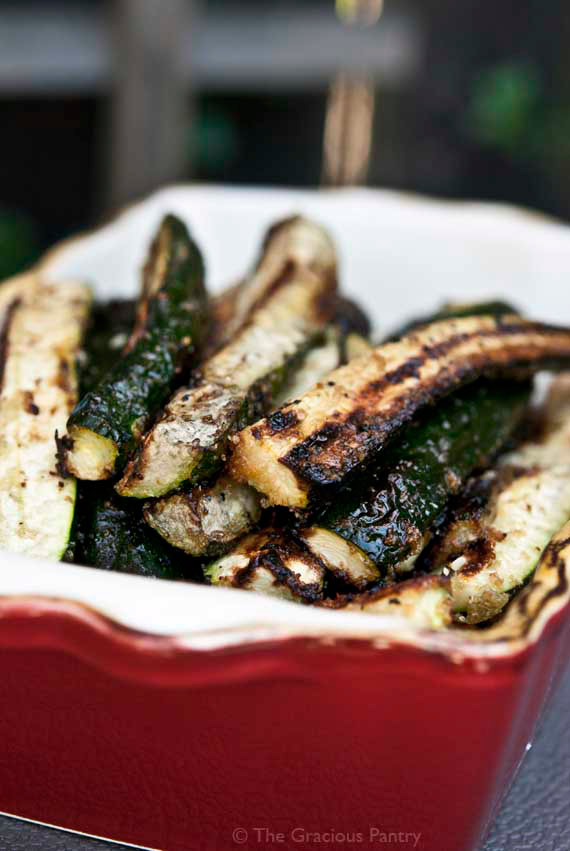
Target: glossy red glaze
<point>137,739</point>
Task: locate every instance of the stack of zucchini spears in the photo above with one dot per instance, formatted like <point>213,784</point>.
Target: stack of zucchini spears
<point>259,440</point>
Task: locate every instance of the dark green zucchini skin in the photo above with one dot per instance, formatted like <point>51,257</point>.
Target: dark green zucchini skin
<point>388,511</point>
<point>112,535</point>
<point>107,532</point>
<point>111,322</point>
<point>452,311</point>
<point>171,326</point>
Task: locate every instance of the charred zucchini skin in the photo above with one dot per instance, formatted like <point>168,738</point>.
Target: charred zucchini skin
<point>171,324</point>
<point>112,535</point>
<point>387,513</point>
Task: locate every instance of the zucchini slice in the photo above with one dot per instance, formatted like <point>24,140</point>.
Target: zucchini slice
<point>171,322</point>
<point>207,519</point>
<point>296,286</point>
<point>528,503</point>
<point>273,564</point>
<point>107,332</point>
<point>423,600</point>
<point>41,339</point>
<point>387,513</point>
<point>345,560</point>
<point>335,429</point>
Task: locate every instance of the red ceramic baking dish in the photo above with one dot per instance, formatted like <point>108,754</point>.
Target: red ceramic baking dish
<point>178,716</point>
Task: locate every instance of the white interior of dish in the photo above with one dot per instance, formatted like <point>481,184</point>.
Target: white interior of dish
<point>399,255</point>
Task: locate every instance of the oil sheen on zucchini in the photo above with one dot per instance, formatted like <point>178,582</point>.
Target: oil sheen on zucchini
<point>171,323</point>
<point>387,513</point>
<point>296,286</point>
<point>112,535</point>
<point>42,330</point>
<point>338,428</point>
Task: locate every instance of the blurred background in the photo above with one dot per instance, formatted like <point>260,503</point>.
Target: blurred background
<point>102,101</point>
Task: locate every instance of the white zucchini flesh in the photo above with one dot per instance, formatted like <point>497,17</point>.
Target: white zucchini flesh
<point>341,557</point>
<point>39,389</point>
<point>523,516</point>
<point>207,519</point>
<point>316,365</point>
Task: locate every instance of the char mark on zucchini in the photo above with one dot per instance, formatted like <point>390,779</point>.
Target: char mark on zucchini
<point>291,299</point>
<point>170,325</point>
<point>7,317</point>
<point>271,563</point>
<point>340,427</point>
<point>278,562</point>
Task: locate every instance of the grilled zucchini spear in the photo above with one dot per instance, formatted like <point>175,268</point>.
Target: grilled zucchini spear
<point>386,515</point>
<point>296,283</point>
<point>377,526</point>
<point>170,325</point>
<point>109,533</point>
<point>41,338</point>
<point>337,428</point>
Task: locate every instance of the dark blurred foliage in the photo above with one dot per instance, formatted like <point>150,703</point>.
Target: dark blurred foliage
<point>492,112</point>
<point>487,117</point>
